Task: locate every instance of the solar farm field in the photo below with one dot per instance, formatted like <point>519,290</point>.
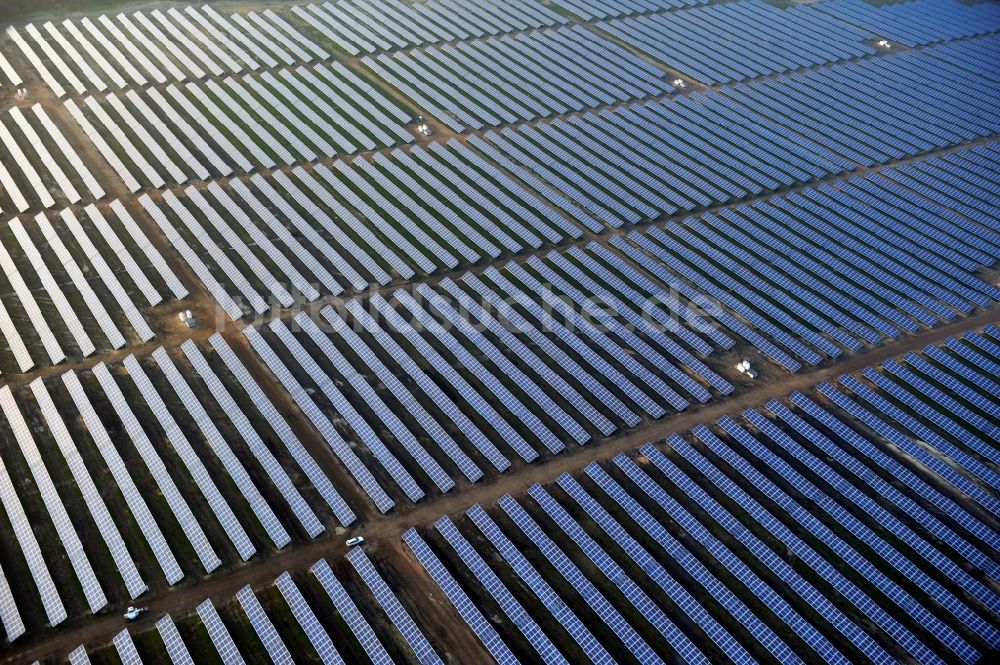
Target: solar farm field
<point>460,331</point>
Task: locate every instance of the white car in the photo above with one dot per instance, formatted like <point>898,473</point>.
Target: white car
<point>133,613</point>
<point>357,540</point>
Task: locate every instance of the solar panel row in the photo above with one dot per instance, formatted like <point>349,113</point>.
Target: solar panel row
<point>916,22</point>
<point>495,376</point>
<point>595,9</point>
<point>299,115</point>
<point>741,40</point>
<point>28,179</point>
<point>522,77</point>
<point>368,27</point>
<point>131,50</point>
<point>828,472</point>
<point>320,208</point>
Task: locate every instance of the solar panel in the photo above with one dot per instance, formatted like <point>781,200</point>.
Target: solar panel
<point>866,448</point>
<point>13,626</point>
<point>527,355</point>
<point>340,447</point>
<point>54,505</point>
<point>107,275</point>
<point>380,106</point>
<point>69,191</point>
<point>262,273</point>
<point>519,378</point>
<point>73,54</point>
<point>50,285</point>
<point>822,532</point>
<point>392,607</point>
<point>613,325</point>
<point>225,301</point>
<point>501,594</point>
<point>428,203</point>
<point>373,364</point>
<point>860,530</point>
<point>614,272</point>
<point>406,221</point>
<point>349,613</point>
<point>151,46</point>
<point>240,37</point>
<point>429,387</point>
<point>102,146</point>
<point>724,555</point>
<point>234,156</point>
<point>460,600</point>
<point>574,341</point>
<point>79,281</point>
<point>214,31</point>
<point>133,154</point>
<point>289,136</point>
<point>315,24</point>
<point>586,589</point>
<point>337,234</point>
<point>9,71</point>
<point>14,341</point>
<point>120,61</point>
<point>673,547</point>
<point>292,243</point>
<point>221,118</point>
<point>400,432</point>
<point>148,249</point>
<point>145,139</point>
<point>233,466</point>
<point>55,612</point>
<point>126,648</point>
<point>917,401</point>
<point>553,351</point>
<point>508,399</point>
<point>304,614</point>
<point>338,109</point>
<point>26,167</point>
<point>956,385</point>
<point>263,135</point>
<point>629,589</point>
<point>969,369</point>
<point>262,625</point>
<point>444,369</point>
<point>349,413</point>
<point>219,634</point>
<point>214,48</point>
<point>113,460</point>
<point>78,656</point>
<point>92,497</point>
<point>36,62</point>
<point>190,46</point>
<point>441,162</point>
<point>175,144</point>
<point>274,471</point>
<point>221,259</point>
<point>176,649</point>
<point>178,506</point>
<point>294,93</point>
<point>203,480</point>
<point>382,250</point>
<point>316,477</point>
<point>897,414</point>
